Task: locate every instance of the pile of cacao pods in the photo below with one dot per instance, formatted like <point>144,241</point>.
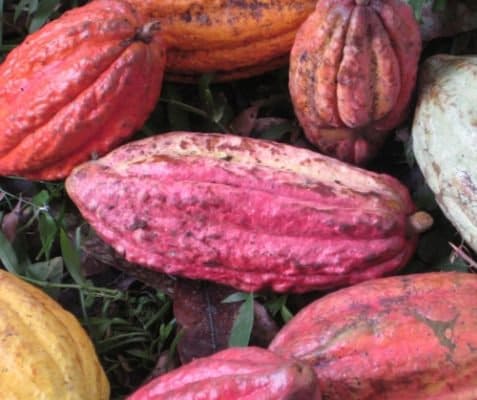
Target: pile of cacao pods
<point>249,213</point>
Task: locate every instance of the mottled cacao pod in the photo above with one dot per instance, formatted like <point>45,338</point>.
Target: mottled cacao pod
<point>237,373</point>
<point>235,39</point>
<point>45,353</point>
<point>405,337</point>
<point>245,212</point>
<point>76,88</point>
<point>352,71</point>
<point>444,135</point>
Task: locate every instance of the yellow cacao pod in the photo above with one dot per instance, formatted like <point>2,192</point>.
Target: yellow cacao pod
<point>45,353</point>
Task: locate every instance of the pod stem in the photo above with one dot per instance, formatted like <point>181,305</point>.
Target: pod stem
<point>420,221</point>
<point>146,33</point>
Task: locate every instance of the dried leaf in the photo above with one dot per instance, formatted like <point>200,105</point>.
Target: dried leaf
<point>243,124</point>
<point>10,222</point>
<point>264,328</point>
<point>455,17</point>
<point>97,256</point>
<point>205,321</point>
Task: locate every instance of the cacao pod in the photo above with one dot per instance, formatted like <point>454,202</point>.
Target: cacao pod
<point>353,68</point>
<point>76,88</point>
<point>444,135</point>
<point>245,212</point>
<point>404,337</point>
<point>46,354</point>
<point>235,39</point>
<point>236,373</point>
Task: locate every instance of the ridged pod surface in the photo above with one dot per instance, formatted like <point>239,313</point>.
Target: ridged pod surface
<point>404,337</point>
<point>235,39</point>
<point>236,373</point>
<point>245,212</point>
<point>444,136</point>
<point>352,71</point>
<point>76,88</point>
<point>45,353</point>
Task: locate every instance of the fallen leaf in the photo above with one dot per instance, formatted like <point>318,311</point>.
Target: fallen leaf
<point>264,328</point>
<point>244,123</point>
<point>457,16</point>
<point>97,256</point>
<point>10,222</point>
<point>205,321</point>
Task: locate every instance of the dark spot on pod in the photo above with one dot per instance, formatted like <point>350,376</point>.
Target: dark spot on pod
<point>345,228</point>
<point>186,16</point>
<point>137,224</point>
<point>228,157</point>
<point>212,263</point>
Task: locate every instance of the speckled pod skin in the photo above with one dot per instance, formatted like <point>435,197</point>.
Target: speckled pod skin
<point>444,136</point>
<point>45,352</point>
<point>236,373</point>
<point>77,88</point>
<point>352,71</point>
<point>245,212</point>
<point>234,39</point>
<point>405,337</point>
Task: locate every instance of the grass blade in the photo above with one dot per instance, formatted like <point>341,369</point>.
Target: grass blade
<point>7,255</point>
<point>242,328</point>
<point>71,258</point>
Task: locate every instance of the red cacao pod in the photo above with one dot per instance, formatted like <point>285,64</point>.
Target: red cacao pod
<point>404,337</point>
<point>76,88</point>
<point>352,71</point>
<point>245,212</point>
<point>237,373</point>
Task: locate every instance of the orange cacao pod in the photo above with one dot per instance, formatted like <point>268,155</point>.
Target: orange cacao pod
<point>352,71</point>
<point>237,373</point>
<point>235,39</point>
<point>404,337</point>
<point>76,88</point>
<point>245,212</point>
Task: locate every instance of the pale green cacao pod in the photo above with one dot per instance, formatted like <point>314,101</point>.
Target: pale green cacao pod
<point>445,137</point>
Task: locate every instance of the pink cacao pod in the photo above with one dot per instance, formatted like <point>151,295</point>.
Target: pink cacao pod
<point>352,71</point>
<point>398,338</point>
<point>235,374</point>
<point>245,212</point>
<point>77,88</point>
